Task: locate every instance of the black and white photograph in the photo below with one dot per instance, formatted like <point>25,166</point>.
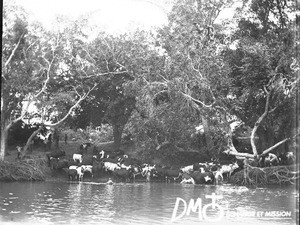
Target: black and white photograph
<point>142,112</point>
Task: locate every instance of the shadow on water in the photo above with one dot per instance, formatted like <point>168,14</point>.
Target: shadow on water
<point>142,203</point>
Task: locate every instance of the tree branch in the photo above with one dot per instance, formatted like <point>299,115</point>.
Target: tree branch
<point>256,125</point>
<point>196,101</point>
<point>14,51</point>
<point>72,108</point>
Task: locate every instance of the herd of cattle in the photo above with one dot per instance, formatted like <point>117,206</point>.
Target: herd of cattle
<point>118,165</point>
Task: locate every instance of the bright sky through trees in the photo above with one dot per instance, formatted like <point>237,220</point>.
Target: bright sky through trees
<point>112,15</point>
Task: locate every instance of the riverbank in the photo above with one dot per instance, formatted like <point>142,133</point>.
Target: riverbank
<point>35,167</point>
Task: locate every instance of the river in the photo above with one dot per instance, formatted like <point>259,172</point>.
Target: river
<point>145,203</point>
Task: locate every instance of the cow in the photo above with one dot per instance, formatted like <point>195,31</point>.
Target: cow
<point>187,179</point>
<point>77,158</point>
<point>203,178</point>
<point>110,167</point>
<point>218,176</point>
<point>55,154</point>
<point>187,169</point>
<point>73,167</point>
<point>72,174</point>
<point>147,171</point>
<point>268,160</point>
<point>87,160</point>
<point>123,174</point>
<point>228,169</point>
<point>97,167</point>
<point>136,170</point>
<point>61,164</point>
<point>172,174</point>
<point>167,174</point>
<point>271,160</point>
<point>80,173</point>
<point>88,169</point>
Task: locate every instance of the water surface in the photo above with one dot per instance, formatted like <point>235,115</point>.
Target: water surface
<point>144,203</point>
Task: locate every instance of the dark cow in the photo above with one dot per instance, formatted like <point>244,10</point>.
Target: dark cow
<point>97,167</point>
<point>172,174</point>
<point>87,160</point>
<point>203,178</point>
<point>72,174</point>
<point>55,154</point>
<point>56,164</point>
<point>167,174</point>
<point>123,174</point>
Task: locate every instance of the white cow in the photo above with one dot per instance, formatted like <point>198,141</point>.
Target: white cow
<point>80,173</point>
<point>228,169</point>
<point>73,167</point>
<point>77,157</point>
<point>187,169</point>
<point>109,166</point>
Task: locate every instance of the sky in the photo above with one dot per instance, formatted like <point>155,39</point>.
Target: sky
<point>115,16</point>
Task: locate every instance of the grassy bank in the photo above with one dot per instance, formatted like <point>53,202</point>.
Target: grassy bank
<point>25,170</point>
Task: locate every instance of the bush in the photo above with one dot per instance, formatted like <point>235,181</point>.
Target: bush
<point>27,170</point>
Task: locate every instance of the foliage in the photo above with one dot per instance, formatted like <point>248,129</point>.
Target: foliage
<point>263,56</point>
<point>30,170</point>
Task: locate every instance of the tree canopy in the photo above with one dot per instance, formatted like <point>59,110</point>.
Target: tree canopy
<point>194,72</point>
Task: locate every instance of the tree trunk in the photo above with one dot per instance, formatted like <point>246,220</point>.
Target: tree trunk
<point>257,123</point>
<point>117,131</point>
<point>4,135</point>
<point>209,143</point>
<point>28,143</point>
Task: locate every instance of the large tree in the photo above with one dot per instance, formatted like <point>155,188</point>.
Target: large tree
<point>37,73</point>
<point>198,72</point>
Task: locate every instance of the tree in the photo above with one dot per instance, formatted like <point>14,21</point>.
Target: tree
<point>197,71</point>
<point>34,57</point>
<point>264,72</point>
<point>112,102</point>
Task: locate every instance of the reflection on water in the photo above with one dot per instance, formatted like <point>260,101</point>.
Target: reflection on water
<point>142,203</point>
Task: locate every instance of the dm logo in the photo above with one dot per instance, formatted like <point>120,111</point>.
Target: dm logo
<point>202,209</point>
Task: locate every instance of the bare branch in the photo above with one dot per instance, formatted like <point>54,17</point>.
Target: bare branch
<point>14,51</point>
<point>196,101</point>
<point>274,146</point>
<point>82,97</point>
<point>47,78</point>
